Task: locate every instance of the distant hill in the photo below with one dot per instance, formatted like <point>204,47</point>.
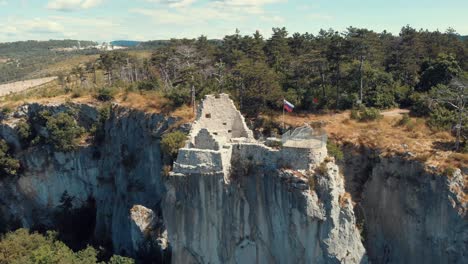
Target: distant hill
<point>21,59</point>
<point>464,37</point>
<point>125,43</point>
<point>31,46</point>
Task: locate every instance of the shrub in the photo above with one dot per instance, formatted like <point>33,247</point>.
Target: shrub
<point>105,94</point>
<point>370,114</point>
<point>172,142</point>
<point>420,105</point>
<point>9,166</point>
<point>64,132</point>
<point>77,92</point>
<point>121,260</point>
<point>334,150</point>
<point>365,114</point>
<point>322,169</point>
<point>147,85</point>
<point>22,246</point>
<point>99,127</point>
<point>178,96</point>
<point>6,110</point>
<point>404,121</point>
<point>441,119</point>
<point>23,128</point>
<point>449,171</point>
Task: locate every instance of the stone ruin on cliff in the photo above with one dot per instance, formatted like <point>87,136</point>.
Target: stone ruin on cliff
<point>220,135</point>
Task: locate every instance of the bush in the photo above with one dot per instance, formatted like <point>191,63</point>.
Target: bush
<point>370,114</point>
<point>404,121</point>
<point>172,142</point>
<point>77,92</point>
<point>99,127</point>
<point>322,169</point>
<point>420,105</point>
<point>9,166</point>
<point>64,132</point>
<point>335,151</point>
<point>6,110</point>
<point>105,94</point>
<point>441,119</point>
<point>365,114</point>
<point>147,86</point>
<point>121,260</point>
<point>23,128</point>
<point>178,96</point>
<point>22,246</point>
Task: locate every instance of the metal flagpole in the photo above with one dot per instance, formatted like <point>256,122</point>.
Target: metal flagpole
<point>283,115</point>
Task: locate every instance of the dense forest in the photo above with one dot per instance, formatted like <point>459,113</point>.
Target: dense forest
<point>418,69</point>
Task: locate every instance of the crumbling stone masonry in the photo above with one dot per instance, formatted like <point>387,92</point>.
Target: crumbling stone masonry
<point>220,136</point>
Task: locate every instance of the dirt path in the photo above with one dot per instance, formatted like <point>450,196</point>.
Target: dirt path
<point>23,85</point>
<point>395,112</point>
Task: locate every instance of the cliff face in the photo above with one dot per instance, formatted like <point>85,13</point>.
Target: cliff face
<point>124,170</point>
<point>409,215</point>
<point>263,216</point>
<point>258,214</point>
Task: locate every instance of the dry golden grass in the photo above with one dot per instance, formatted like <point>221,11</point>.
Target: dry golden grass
<point>52,93</point>
<point>427,146</point>
<point>154,102</point>
<point>65,65</point>
<point>385,134</point>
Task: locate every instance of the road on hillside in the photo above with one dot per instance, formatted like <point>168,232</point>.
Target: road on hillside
<point>16,87</point>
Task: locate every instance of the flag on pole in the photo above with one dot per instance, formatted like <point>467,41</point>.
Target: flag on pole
<point>288,106</point>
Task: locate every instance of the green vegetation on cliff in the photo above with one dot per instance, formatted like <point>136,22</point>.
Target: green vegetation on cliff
<point>23,247</point>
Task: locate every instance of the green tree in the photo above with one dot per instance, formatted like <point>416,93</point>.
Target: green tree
<point>455,97</point>
<point>172,142</point>
<point>23,247</point>
<point>258,87</point>
<point>64,132</point>
<point>9,166</point>
<point>278,50</point>
<point>439,71</point>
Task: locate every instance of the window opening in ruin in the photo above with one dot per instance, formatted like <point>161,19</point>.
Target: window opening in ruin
<point>229,131</point>
<point>225,124</point>
<point>208,115</point>
<point>215,133</point>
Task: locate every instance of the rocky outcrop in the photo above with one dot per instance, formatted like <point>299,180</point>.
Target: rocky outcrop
<point>263,216</point>
<point>247,208</point>
<point>409,214</point>
<point>229,200</point>
<point>119,172</point>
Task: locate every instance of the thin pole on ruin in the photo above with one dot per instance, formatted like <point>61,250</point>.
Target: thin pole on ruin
<point>193,99</point>
<point>283,116</point>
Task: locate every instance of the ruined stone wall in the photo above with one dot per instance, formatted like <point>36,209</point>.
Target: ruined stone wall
<point>293,158</point>
<point>219,116</point>
<point>198,161</point>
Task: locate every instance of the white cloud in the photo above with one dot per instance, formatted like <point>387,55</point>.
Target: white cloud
<point>3,2</point>
<point>72,5</point>
<point>60,27</point>
<point>174,3</point>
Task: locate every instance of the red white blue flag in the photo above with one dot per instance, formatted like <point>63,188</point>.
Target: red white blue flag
<point>288,106</point>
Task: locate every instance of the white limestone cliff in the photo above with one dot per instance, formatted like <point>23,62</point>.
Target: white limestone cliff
<point>229,200</point>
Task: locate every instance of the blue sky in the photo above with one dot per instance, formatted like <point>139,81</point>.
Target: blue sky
<point>104,20</point>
